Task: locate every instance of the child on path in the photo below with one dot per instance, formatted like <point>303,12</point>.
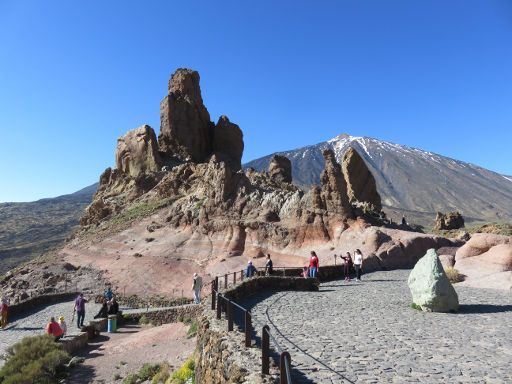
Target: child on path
<point>305,272</point>
<point>63,326</point>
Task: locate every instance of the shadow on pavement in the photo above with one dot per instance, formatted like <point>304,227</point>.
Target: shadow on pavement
<point>484,308</point>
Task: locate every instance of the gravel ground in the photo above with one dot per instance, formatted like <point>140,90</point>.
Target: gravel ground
<point>366,332</point>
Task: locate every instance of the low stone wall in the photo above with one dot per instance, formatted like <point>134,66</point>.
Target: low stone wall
<point>29,304</point>
<point>326,273</point>
<point>182,313</point>
<point>73,343</point>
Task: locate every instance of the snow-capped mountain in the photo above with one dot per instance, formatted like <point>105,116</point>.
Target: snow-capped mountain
<point>411,179</point>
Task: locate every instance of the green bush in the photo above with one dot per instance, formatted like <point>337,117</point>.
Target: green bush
<point>143,320</point>
<point>185,374</point>
<point>35,359</point>
<point>192,330</point>
<point>163,374</point>
<point>416,306</point>
<point>131,379</point>
<point>148,371</point>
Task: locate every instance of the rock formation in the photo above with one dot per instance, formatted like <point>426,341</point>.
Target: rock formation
<point>228,143</point>
<point>137,152</point>
<point>451,220</point>
<point>361,186</point>
<point>333,193</point>
<point>430,287</point>
<point>185,127</point>
<point>280,169</point>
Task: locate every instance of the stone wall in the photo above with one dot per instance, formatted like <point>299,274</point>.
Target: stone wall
<point>182,313</point>
<point>28,305</point>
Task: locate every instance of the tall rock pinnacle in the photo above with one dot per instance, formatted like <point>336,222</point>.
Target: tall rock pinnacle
<point>333,187</point>
<point>185,127</point>
<point>361,184</point>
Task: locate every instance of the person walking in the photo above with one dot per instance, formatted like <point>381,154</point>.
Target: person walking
<point>4,312</point>
<point>80,310</point>
<point>196,287</point>
<point>313,265</point>
<point>358,263</point>
<point>268,266</point>
<point>347,265</point>
<point>53,328</point>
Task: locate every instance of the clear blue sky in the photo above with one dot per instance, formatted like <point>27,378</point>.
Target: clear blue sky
<point>76,75</point>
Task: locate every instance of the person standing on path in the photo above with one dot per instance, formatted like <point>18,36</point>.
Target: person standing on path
<point>313,265</point>
<point>347,265</point>
<point>80,310</point>
<point>196,287</point>
<point>358,263</point>
<point>268,266</point>
<point>63,326</point>
<point>4,313</point>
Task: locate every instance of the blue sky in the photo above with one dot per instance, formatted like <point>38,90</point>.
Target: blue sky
<point>76,75</point>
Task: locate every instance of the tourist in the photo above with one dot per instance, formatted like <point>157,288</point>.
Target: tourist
<point>80,310</point>
<point>268,266</point>
<point>196,287</point>
<point>358,263</point>
<point>54,329</point>
<point>251,270</point>
<point>108,294</point>
<point>4,312</point>
<point>113,308</point>
<point>347,266</point>
<point>305,272</point>
<point>313,265</point>
<point>63,326</point>
<point>404,222</point>
<point>103,312</point>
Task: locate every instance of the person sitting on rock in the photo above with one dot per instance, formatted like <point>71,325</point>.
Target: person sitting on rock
<point>251,270</point>
<point>108,294</point>
<point>53,328</point>
<point>103,313</point>
<point>63,326</point>
<point>113,308</point>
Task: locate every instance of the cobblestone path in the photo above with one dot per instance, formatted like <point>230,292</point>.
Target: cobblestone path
<point>366,332</point>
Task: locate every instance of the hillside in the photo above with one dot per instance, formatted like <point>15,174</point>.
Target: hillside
<point>411,181</point>
<point>29,229</point>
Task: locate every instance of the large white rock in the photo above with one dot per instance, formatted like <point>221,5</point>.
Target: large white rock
<point>430,287</point>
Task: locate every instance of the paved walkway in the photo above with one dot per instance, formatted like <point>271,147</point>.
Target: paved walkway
<point>34,323</point>
<point>366,332</point>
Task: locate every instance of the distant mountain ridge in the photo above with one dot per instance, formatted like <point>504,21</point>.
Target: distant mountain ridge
<point>411,180</point>
<point>29,229</point>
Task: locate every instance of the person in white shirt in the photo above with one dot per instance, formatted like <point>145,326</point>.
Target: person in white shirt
<point>358,263</point>
<point>197,285</point>
<point>63,326</point>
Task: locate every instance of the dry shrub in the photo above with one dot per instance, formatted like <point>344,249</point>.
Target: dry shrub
<point>453,275</point>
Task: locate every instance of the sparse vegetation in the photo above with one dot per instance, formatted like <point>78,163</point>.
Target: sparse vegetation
<point>163,374</point>
<point>143,320</point>
<point>117,376</point>
<point>132,378</point>
<point>496,228</point>
<point>192,329</point>
<point>415,306</point>
<point>148,371</point>
<point>453,275</point>
<point>140,210</point>
<point>35,359</point>
<point>185,374</point>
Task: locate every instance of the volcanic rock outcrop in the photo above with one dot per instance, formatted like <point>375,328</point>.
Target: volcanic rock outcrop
<point>451,220</point>
<point>333,194</point>
<point>228,143</point>
<point>280,169</point>
<point>361,186</point>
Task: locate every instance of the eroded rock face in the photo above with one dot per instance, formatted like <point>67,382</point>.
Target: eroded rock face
<point>280,169</point>
<point>451,220</point>
<point>228,143</point>
<point>185,127</point>
<point>137,152</point>
<point>333,187</point>
<point>430,287</point>
<point>361,186</point>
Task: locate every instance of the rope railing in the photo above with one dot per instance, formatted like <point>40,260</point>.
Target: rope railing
<point>221,304</point>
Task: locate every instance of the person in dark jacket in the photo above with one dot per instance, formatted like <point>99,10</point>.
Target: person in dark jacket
<point>103,313</point>
<point>114,307</point>
<point>269,267</point>
<point>251,270</point>
<point>80,310</point>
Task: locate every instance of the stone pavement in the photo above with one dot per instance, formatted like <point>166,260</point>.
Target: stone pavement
<point>366,332</point>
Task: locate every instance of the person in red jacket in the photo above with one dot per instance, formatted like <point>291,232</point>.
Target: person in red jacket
<point>313,264</point>
<point>4,313</point>
<point>53,328</point>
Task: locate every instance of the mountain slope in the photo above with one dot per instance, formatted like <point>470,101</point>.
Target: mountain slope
<point>29,229</point>
<point>412,180</point>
